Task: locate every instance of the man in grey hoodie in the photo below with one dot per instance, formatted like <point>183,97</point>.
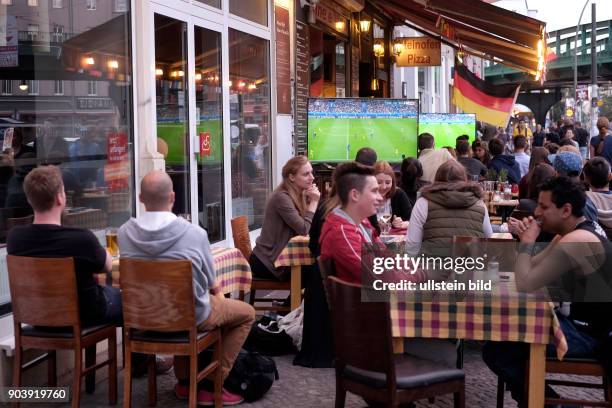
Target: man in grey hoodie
<point>159,234</point>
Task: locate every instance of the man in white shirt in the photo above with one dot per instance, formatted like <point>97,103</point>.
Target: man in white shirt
<point>430,158</point>
<point>522,158</point>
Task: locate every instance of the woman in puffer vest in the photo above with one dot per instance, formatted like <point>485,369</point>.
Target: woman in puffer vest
<point>450,206</point>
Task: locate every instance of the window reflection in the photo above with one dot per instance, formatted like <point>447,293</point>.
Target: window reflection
<point>172,105</point>
<point>250,125</point>
<point>66,100</point>
<point>209,125</point>
<point>254,10</point>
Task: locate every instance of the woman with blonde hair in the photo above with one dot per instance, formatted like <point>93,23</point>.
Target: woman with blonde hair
<point>395,201</point>
<point>289,212</point>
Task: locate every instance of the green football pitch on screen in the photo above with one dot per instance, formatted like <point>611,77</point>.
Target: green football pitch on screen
<point>339,139</point>
<point>445,128</point>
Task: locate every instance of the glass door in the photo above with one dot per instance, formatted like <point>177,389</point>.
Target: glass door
<point>172,106</point>
<point>209,131</point>
<point>189,96</point>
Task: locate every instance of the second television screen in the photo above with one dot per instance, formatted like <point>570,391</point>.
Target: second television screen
<point>338,128</point>
<point>445,127</point>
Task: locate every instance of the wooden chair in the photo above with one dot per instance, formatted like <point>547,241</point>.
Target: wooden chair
<point>13,222</point>
<point>571,366</point>
<point>242,241</point>
<point>46,316</point>
<point>365,364</point>
<point>159,318</point>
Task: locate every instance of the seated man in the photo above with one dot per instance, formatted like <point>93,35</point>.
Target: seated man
<point>579,259</point>
<point>501,161</point>
<point>431,158</point>
<point>46,238</point>
<point>159,234</point>
<point>474,167</point>
<point>597,176</point>
<point>346,228</point>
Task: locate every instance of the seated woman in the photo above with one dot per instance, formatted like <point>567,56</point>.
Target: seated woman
<point>411,173</point>
<point>481,152</point>
<point>538,155</point>
<point>450,206</point>
<point>289,212</point>
<point>395,201</point>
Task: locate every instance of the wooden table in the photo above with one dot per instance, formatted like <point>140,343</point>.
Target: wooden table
<point>506,316</point>
<point>232,269</point>
<point>295,255</point>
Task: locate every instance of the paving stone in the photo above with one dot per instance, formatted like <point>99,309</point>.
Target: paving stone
<point>301,387</point>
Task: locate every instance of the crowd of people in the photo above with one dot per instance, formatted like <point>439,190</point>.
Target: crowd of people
<point>435,197</point>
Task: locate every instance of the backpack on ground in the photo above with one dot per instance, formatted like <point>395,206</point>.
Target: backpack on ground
<point>252,375</point>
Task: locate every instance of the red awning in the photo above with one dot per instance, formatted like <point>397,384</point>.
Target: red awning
<point>478,28</point>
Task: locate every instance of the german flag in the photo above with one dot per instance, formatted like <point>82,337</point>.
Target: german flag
<point>491,104</point>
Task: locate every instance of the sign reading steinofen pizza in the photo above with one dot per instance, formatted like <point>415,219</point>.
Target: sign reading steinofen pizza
<point>418,52</point>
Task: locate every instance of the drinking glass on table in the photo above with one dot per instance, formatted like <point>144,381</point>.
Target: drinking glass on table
<point>385,223</point>
<point>112,245</point>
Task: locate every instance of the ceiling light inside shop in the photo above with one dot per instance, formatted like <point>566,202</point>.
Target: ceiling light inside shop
<point>340,26</point>
<point>252,87</point>
<point>198,77</point>
<point>23,86</point>
<point>113,64</point>
<point>241,84</point>
<point>90,61</point>
<point>159,72</point>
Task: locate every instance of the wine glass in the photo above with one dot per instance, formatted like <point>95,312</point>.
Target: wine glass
<point>386,223</point>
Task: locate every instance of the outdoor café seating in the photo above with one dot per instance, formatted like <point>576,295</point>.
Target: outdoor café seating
<point>159,318</point>
<point>46,317</point>
<point>365,363</point>
<point>242,241</point>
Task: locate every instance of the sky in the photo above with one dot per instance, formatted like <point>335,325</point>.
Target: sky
<point>558,14</point>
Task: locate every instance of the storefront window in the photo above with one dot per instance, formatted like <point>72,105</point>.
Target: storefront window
<point>254,10</point>
<point>49,113</point>
<point>209,125</point>
<point>328,65</point>
<point>173,106</point>
<point>250,125</point>
<point>213,3</point>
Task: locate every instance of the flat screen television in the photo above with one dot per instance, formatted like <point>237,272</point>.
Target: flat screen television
<point>445,127</point>
<point>338,128</point>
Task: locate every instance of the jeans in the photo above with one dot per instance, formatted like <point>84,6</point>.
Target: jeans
<point>114,309</point>
<point>508,359</point>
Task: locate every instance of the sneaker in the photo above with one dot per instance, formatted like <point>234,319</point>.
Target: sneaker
<point>207,398</point>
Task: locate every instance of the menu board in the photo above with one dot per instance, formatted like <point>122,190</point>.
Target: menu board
<point>283,71</point>
<point>302,86</point>
<point>355,54</point>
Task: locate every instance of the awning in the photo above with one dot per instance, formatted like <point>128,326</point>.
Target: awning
<point>477,28</point>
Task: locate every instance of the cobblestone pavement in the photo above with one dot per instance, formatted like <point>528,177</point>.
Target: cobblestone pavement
<point>305,387</point>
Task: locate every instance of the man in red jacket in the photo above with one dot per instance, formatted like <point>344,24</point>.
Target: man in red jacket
<point>347,229</point>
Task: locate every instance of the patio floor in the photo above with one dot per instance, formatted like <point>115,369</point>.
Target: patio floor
<point>307,387</point>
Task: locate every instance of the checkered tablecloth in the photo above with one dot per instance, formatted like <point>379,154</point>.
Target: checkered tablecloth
<point>233,271</point>
<point>295,253</point>
<point>503,317</point>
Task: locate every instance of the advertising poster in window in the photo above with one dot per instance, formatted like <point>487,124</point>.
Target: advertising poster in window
<point>9,51</point>
<point>117,169</point>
